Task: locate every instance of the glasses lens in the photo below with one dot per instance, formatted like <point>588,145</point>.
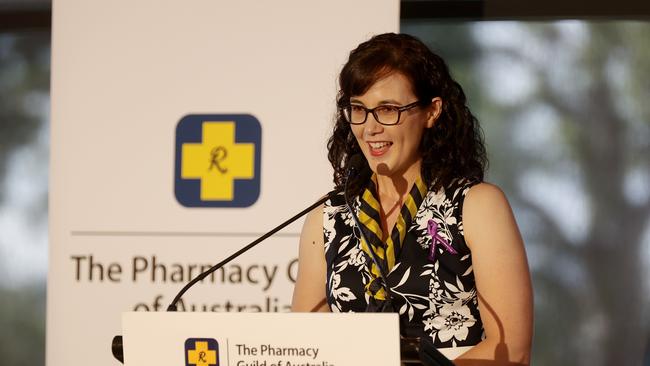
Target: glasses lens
<point>355,114</point>
<point>388,114</point>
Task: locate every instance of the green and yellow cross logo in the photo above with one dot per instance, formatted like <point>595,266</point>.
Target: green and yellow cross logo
<point>218,160</point>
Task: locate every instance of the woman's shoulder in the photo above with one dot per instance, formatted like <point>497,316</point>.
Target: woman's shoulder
<point>487,214</point>
<point>480,195</point>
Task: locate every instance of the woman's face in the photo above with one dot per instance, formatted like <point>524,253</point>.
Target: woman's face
<point>393,150</point>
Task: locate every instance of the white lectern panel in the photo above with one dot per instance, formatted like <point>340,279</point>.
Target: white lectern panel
<point>260,339</point>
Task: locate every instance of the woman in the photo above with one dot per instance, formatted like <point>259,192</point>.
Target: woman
<point>436,244</point>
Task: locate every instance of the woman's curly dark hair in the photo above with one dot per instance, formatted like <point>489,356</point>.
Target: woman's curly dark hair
<point>452,148</point>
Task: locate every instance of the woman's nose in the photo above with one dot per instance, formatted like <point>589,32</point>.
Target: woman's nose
<point>372,127</point>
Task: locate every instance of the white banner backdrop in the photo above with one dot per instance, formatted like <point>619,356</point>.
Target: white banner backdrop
<point>124,74</point>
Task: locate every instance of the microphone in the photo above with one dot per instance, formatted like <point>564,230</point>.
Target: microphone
<point>117,345</point>
<point>356,164</point>
<point>358,172</point>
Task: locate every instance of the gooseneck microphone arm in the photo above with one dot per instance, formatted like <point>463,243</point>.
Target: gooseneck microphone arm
<point>172,305</point>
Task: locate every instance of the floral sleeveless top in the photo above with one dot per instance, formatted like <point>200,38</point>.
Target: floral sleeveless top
<point>434,293</point>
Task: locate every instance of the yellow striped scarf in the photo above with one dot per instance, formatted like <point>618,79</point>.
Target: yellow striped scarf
<point>386,254</point>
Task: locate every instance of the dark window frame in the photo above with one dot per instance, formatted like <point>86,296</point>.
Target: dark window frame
<point>37,15</point>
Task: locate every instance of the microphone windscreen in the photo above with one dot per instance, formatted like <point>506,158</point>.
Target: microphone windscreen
<point>356,163</point>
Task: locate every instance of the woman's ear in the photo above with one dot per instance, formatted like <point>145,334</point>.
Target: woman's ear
<point>434,111</point>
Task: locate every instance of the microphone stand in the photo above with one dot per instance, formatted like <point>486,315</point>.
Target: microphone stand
<point>117,346</point>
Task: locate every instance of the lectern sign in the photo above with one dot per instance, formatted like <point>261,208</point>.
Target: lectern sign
<point>260,339</point>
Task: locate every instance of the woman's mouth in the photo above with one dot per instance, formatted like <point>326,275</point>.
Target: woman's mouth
<point>379,148</point>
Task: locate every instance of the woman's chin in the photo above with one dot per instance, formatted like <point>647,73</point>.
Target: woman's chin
<point>383,169</point>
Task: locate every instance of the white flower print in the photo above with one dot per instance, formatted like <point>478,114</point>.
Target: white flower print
<point>447,213</point>
<point>459,292</point>
<point>411,301</point>
<point>357,258</point>
<point>328,234</point>
<point>340,293</point>
<point>452,321</point>
<point>428,323</point>
<point>438,293</point>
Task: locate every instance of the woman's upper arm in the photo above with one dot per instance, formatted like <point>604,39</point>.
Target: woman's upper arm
<point>501,271</point>
<point>309,291</point>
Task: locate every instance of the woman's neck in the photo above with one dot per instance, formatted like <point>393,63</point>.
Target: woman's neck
<point>393,188</point>
<point>391,192</point>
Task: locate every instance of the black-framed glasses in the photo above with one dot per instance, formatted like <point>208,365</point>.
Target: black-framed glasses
<point>387,115</point>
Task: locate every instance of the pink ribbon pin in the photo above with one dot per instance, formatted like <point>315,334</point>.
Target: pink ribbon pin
<point>432,229</point>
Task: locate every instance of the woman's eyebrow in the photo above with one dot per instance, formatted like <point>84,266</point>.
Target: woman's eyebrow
<point>389,101</point>
<point>386,101</point>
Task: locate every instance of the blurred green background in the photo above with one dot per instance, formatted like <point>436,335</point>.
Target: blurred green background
<point>565,110</point>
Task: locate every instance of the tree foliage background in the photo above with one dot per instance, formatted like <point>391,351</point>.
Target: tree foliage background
<point>564,107</point>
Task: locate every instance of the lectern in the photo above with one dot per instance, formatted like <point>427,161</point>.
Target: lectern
<point>260,339</point>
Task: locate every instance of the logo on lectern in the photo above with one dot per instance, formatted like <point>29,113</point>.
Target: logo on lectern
<point>218,160</point>
<point>201,352</point>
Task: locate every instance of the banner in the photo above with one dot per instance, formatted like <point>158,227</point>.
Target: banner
<point>181,131</point>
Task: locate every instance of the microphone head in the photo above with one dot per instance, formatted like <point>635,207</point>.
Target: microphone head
<point>358,174</point>
<point>356,164</point>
